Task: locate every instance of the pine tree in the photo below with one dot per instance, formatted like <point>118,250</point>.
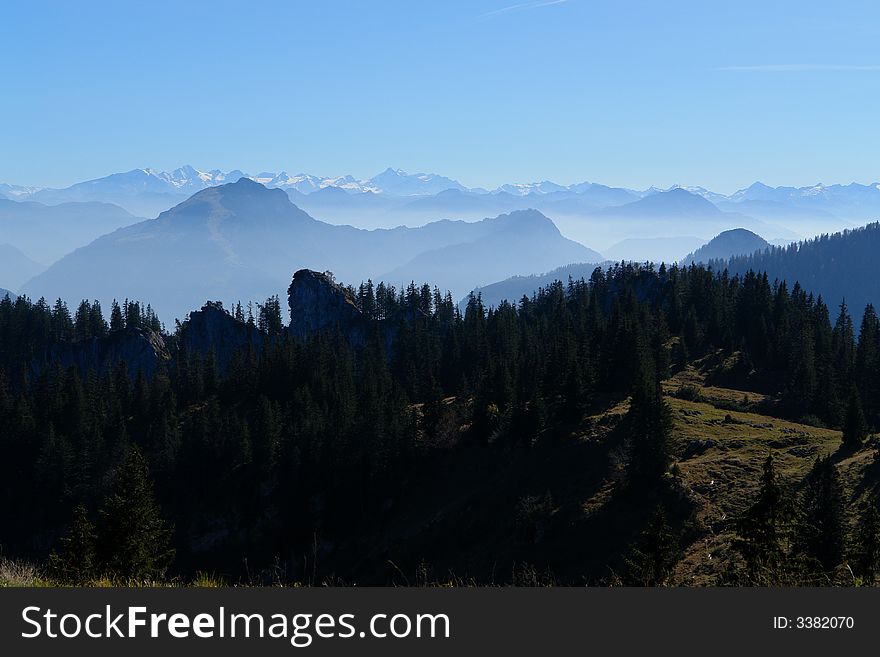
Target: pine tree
<point>575,395</point>
<point>82,321</point>
<point>269,319</point>
<point>649,425</point>
<point>117,319</point>
<point>855,429</point>
<point>652,559</point>
<point>763,531</point>
<point>133,536</point>
<point>76,562</point>
<point>820,528</point>
<point>867,551</point>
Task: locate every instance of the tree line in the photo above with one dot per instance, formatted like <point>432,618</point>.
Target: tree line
<point>291,449</point>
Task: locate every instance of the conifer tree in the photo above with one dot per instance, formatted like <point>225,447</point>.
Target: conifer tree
<point>117,319</point>
<point>653,557</point>
<point>764,530</point>
<point>76,562</point>
<point>820,528</point>
<point>133,536</point>
<point>855,429</point>
<point>867,549</point>
<point>649,428</point>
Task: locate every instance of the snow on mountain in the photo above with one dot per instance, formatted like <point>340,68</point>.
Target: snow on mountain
<point>147,191</point>
<point>187,178</point>
<point>16,192</point>
<point>305,183</point>
<point>524,189</point>
<point>400,183</point>
<point>701,191</point>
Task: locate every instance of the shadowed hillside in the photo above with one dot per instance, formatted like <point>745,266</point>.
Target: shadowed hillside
<point>839,267</point>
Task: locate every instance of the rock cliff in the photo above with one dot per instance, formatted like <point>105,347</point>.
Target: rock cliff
<point>212,327</point>
<point>142,350</point>
<point>318,303</point>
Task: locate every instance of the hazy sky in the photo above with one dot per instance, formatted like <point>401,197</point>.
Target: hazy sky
<point>487,91</point>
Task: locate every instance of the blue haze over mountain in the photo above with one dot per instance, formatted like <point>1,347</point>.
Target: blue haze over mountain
<point>44,233</point>
<point>619,223</point>
<point>393,197</point>
<point>736,242</point>
<point>242,241</point>
<point>16,267</point>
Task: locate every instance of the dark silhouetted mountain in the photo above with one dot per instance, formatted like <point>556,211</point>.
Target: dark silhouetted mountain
<point>46,232</point>
<point>738,241</point>
<point>520,242</point>
<point>842,266</point>
<point>16,267</point>
<point>241,241</point>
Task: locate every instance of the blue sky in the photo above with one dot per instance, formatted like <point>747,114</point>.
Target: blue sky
<point>488,91</point>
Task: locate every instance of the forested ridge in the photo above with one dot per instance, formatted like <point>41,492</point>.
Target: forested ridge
<point>839,266</point>
<point>446,444</point>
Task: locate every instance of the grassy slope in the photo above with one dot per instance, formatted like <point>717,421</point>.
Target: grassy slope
<point>723,477</point>
<point>463,516</point>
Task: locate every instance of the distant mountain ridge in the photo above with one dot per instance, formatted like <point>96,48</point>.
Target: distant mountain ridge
<point>397,182</point>
<point>241,241</point>
<point>16,267</point>
<point>677,203</point>
<point>839,267</point>
<point>653,249</point>
<point>394,197</point>
<point>461,266</point>
<point>516,287</point>
<point>735,242</point>
<point>45,233</point>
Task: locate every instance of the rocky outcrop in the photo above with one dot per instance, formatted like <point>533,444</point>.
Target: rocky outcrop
<point>142,350</point>
<point>318,303</point>
<point>214,328</point>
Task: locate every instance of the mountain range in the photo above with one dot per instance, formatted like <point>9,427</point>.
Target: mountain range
<point>146,192</point>
<point>241,241</point>
<point>395,225</point>
<point>839,267</point>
